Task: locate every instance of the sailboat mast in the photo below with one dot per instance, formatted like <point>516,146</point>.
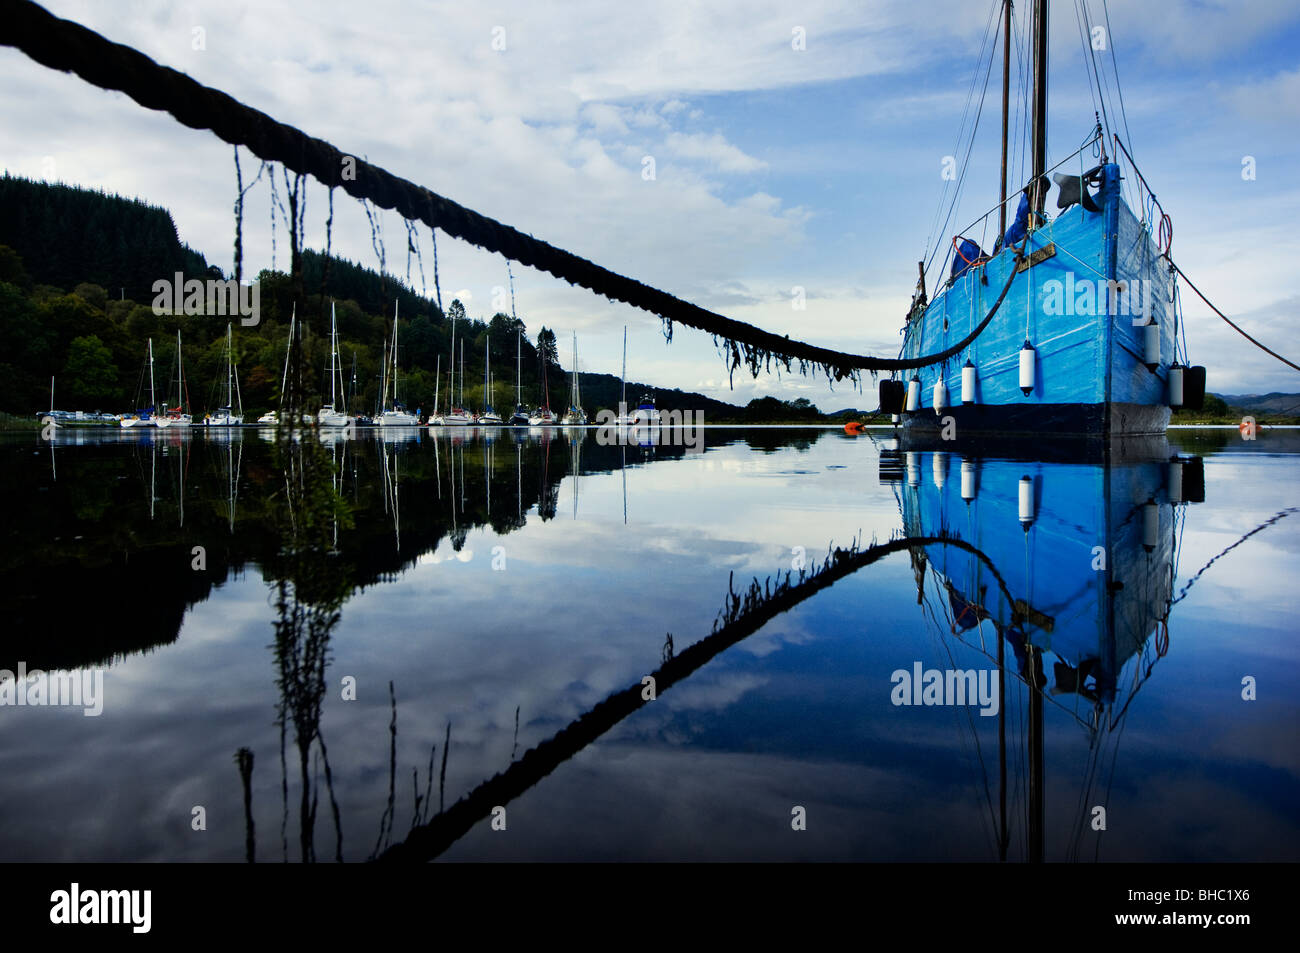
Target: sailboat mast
<point>230,396</point>
<point>394,355</point>
<point>284,379</point>
<point>519,393</point>
<point>487,402</point>
<point>152,399</point>
<point>1006,105</point>
<point>1039,109</point>
<point>180,382</point>
<point>333,355</point>
<point>437,385</point>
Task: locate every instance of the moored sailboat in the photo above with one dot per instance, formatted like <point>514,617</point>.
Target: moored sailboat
<point>489,417</point>
<point>272,418</point>
<point>520,417</point>
<point>176,416</point>
<point>329,416</point>
<point>226,415</point>
<point>575,417</point>
<point>395,415</point>
<point>143,417</point>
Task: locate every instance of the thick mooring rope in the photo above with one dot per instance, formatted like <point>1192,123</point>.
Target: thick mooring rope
<point>69,47</point>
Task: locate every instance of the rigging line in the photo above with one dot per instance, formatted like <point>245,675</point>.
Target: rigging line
<point>961,126</point>
<point>1103,88</point>
<point>990,30</point>
<point>1101,76</point>
<point>1088,65</point>
<point>1227,319</point>
<point>1110,780</point>
<point>1110,39</point>
<point>1262,526</point>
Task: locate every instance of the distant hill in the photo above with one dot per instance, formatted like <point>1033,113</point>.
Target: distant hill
<point>1274,403</point>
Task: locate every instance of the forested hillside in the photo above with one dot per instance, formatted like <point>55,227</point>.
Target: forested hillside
<point>77,269</point>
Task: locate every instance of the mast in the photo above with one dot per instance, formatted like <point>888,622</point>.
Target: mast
<point>334,368</point>
<point>437,384</point>
<point>1039,110</point>
<point>395,354</point>
<point>230,374</point>
<point>293,315</point>
<point>352,385</point>
<point>624,398</point>
<point>462,372</point>
<point>152,399</point>
<point>451,391</point>
<point>519,394</point>
<point>180,381</point>
<point>487,400</point>
<point>1006,101</point>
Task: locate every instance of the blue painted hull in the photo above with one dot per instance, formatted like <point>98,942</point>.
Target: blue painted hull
<point>1090,575</point>
<point>1079,309</point>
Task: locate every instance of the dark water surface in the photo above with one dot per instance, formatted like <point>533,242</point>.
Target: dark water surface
<point>523,578</point>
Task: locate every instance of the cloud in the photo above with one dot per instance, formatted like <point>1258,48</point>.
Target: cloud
<point>714,150</point>
<point>1276,99</point>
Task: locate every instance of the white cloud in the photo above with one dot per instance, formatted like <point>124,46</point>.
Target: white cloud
<point>714,150</point>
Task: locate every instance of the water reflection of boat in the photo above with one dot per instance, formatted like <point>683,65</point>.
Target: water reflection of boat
<point>1069,566</point>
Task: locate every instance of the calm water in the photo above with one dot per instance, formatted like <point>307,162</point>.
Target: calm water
<point>506,586</point>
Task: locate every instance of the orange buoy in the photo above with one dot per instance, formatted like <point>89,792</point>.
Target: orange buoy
<point>853,428</point>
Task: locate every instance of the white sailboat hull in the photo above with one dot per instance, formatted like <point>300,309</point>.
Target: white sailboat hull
<point>397,418</point>
<point>332,418</point>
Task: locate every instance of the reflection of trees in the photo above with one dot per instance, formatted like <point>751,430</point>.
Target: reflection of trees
<point>310,585</point>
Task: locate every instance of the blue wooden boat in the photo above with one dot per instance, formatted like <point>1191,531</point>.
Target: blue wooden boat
<point>1079,335</point>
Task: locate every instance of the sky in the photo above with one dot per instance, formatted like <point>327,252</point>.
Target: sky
<point>794,146</point>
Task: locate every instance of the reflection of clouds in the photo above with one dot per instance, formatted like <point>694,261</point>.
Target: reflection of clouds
<point>445,553</point>
<point>776,635</point>
<point>704,695</point>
